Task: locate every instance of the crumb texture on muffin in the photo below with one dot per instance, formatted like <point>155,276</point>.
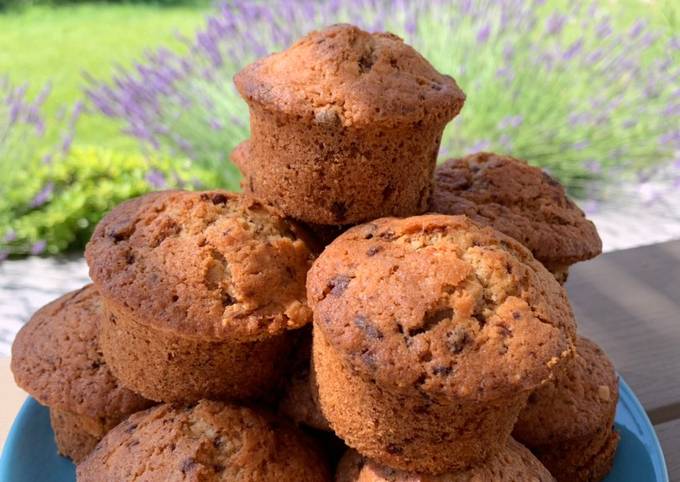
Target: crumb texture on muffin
<point>519,200</point>
<point>214,265</point>
<point>578,403</point>
<point>342,75</point>
<point>56,358</point>
<point>208,442</point>
<point>441,305</point>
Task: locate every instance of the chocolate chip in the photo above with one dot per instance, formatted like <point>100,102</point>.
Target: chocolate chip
<point>129,258</point>
<point>516,315</point>
<point>187,465</point>
<point>339,210</point>
<point>369,359</point>
<point>131,428</point>
<point>387,192</point>
<point>217,442</point>
<point>442,370</point>
<point>394,449</point>
<point>120,232</point>
<point>219,199</point>
<point>366,61</point>
<point>95,364</point>
<point>373,250</point>
<point>457,339</point>
<point>339,284</point>
<point>218,468</point>
<point>367,327</point>
<point>431,319</point>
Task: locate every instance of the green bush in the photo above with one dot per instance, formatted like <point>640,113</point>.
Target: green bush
<point>54,207</point>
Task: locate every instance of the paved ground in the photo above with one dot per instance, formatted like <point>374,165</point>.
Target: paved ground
<point>26,285</point>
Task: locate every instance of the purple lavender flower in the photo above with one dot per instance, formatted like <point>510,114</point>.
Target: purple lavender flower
<point>10,236</point>
<point>43,195</point>
<point>38,247</point>
<point>572,50</point>
<point>483,33</point>
<point>512,121</point>
<point>555,23</point>
<point>156,179</point>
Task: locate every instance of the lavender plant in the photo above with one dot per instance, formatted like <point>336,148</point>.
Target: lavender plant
<point>566,89</point>
<point>51,195</point>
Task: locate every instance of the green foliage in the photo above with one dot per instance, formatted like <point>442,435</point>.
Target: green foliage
<point>58,204</point>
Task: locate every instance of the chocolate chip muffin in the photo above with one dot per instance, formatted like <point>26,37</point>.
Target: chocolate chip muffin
<point>569,423</point>
<point>210,441</point>
<point>203,290</point>
<point>512,463</point>
<point>57,360</point>
<point>345,126</point>
<point>299,401</point>
<point>324,234</point>
<point>430,332</point>
<point>521,201</point>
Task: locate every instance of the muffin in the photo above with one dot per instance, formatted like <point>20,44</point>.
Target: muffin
<point>512,463</point>
<point>569,423</point>
<point>203,290</point>
<point>521,201</point>
<point>57,360</point>
<point>299,402</point>
<point>210,441</point>
<point>345,126</point>
<point>324,234</point>
<point>429,335</point>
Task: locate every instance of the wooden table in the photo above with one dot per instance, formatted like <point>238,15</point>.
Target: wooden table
<point>629,302</point>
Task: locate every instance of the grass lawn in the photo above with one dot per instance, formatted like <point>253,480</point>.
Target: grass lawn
<point>41,44</point>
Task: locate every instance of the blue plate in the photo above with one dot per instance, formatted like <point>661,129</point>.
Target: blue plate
<point>30,454</point>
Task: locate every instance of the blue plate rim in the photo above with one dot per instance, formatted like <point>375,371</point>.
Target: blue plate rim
<point>626,397</point>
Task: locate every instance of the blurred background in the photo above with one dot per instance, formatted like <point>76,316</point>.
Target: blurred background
<point>102,101</point>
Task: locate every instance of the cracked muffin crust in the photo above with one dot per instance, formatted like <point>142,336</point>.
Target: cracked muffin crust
<point>521,201</point>
<point>345,126</point>
<point>483,309</point>
<point>512,463</point>
<point>429,334</point>
<point>56,358</point>
<point>569,422</point>
<point>208,442</point>
<point>213,265</point>
<point>204,291</point>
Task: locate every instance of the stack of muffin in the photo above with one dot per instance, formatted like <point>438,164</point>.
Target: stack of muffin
<point>442,346</point>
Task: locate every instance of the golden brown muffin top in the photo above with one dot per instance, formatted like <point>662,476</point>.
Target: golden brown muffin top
<point>208,442</point>
<point>519,200</point>
<point>342,75</point>
<point>513,463</point>
<point>213,265</point>
<point>580,401</point>
<point>438,304</point>
<point>57,360</point>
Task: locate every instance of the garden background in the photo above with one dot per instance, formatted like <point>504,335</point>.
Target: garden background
<point>104,101</point>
